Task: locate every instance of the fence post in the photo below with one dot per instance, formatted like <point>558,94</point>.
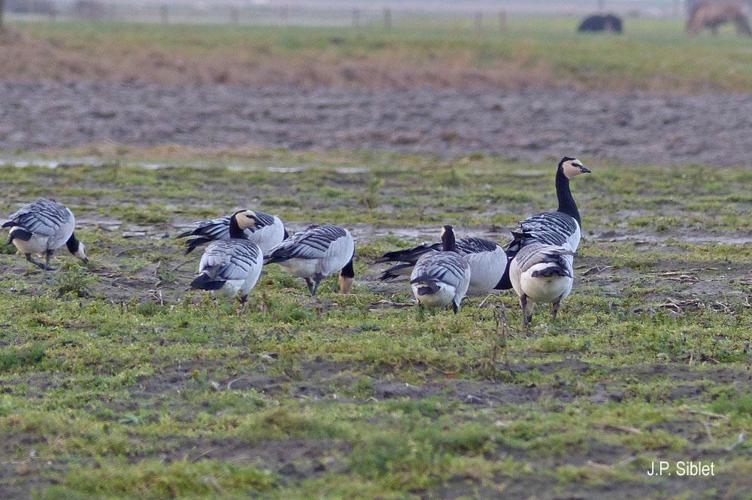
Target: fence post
<point>164,15</point>
<point>479,22</point>
<point>387,19</point>
<point>356,18</point>
<point>502,21</point>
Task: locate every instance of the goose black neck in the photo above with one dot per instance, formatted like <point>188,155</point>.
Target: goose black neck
<point>448,243</point>
<point>566,201</point>
<point>235,231</point>
<point>72,244</point>
<point>348,271</point>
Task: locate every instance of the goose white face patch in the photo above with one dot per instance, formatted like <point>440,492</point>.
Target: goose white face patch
<point>247,219</point>
<point>572,168</point>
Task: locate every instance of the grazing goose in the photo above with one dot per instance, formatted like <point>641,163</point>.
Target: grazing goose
<point>267,232</point>
<point>231,266</point>
<point>541,273</point>
<point>42,227</point>
<point>316,252</point>
<point>440,279</point>
<point>562,227</point>
<point>487,260</point>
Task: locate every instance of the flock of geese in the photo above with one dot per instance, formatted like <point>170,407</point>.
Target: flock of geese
<point>537,263</point>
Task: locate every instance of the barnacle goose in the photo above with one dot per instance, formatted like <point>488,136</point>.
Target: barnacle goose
<point>440,279</point>
<point>231,266</point>
<point>487,260</point>
<point>267,232</point>
<point>562,227</point>
<point>316,252</point>
<point>541,273</point>
<point>41,227</point>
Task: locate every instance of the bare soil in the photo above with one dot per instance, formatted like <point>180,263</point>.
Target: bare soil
<point>534,125</point>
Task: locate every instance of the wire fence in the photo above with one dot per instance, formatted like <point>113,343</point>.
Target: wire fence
<point>484,15</point>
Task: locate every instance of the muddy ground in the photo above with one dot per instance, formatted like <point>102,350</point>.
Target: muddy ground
<point>530,125</point>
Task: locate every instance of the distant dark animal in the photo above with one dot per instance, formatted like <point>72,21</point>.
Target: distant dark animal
<point>601,22</point>
<point>712,15</point>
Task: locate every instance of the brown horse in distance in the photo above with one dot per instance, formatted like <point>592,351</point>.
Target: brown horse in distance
<point>711,15</point>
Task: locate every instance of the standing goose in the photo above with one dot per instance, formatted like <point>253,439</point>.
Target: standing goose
<point>316,252</point>
<point>41,227</point>
<point>487,260</point>
<point>267,232</point>
<point>232,265</point>
<point>440,279</point>
<point>541,273</point>
<point>560,228</point>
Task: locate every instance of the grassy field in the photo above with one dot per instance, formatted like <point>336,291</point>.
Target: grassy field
<point>116,382</point>
<point>652,55</point>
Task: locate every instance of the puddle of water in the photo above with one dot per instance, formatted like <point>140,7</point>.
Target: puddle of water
<point>352,170</point>
<point>235,167</point>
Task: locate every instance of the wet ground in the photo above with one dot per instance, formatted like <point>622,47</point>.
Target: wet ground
<point>710,129</point>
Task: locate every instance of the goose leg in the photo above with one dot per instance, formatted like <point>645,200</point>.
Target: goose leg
<point>38,264</point>
<point>527,314</point>
<point>555,308</point>
<point>316,282</point>
<point>311,289</point>
<point>455,307</point>
<point>242,306</point>
<point>47,257</point>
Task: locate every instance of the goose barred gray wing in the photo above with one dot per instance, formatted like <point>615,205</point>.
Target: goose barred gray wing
<point>43,217</point>
<point>551,228</point>
<point>311,243</point>
<point>227,260</point>
<point>446,267</point>
<point>475,245</point>
<point>209,230</point>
